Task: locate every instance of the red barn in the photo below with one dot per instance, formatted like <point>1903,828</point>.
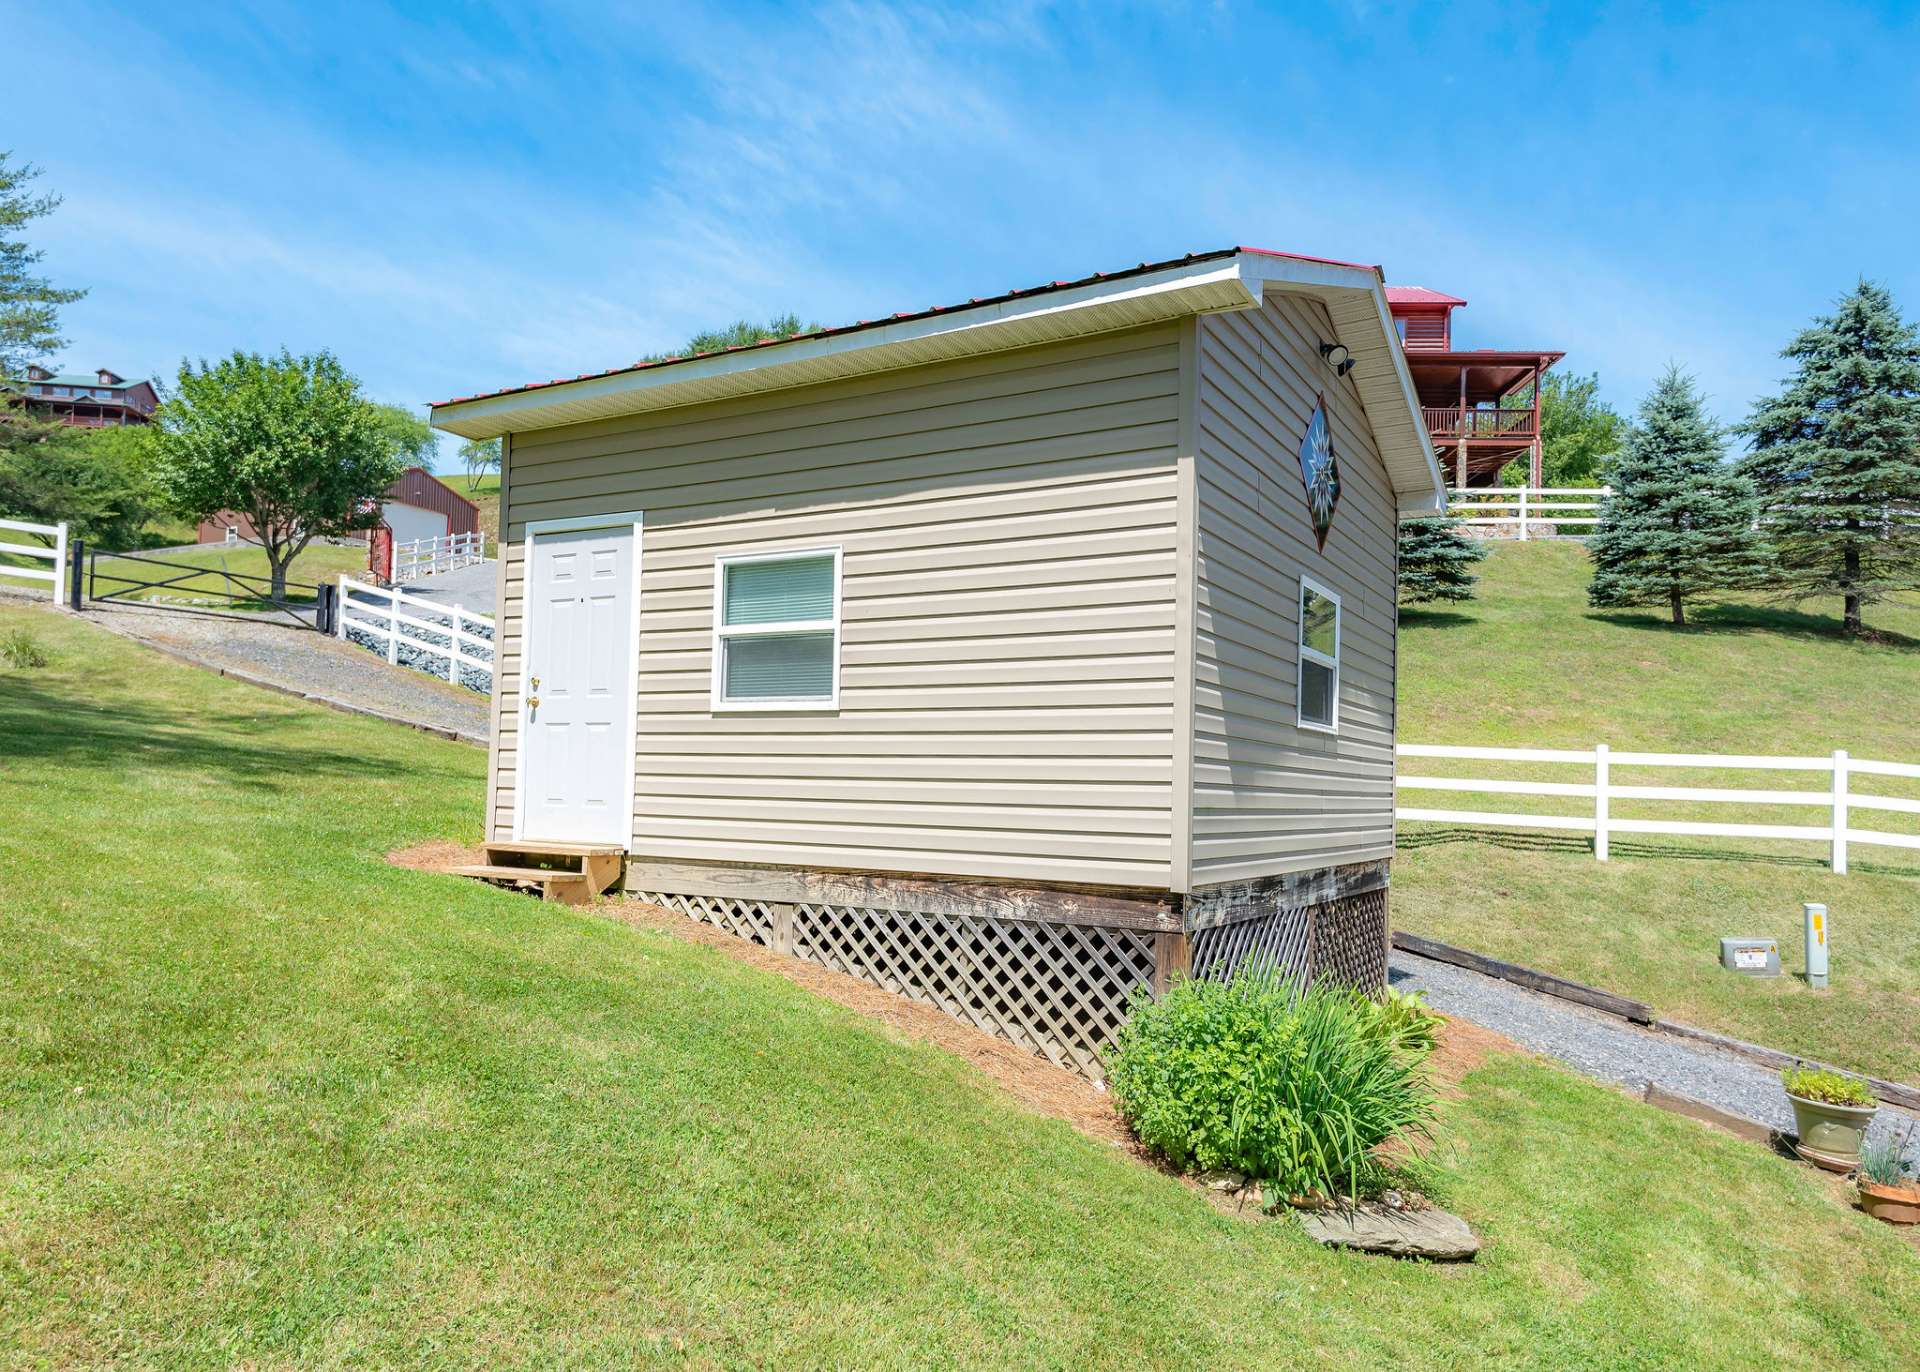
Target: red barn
<point>418,505</point>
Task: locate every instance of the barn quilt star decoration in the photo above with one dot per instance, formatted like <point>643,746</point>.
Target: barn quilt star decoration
<point>1321,471</point>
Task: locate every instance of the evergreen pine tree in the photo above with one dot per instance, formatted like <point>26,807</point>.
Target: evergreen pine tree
<point>1679,524</point>
<point>1437,559</point>
<point>1836,457</point>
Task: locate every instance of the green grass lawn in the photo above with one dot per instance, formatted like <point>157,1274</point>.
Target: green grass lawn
<point>317,563</point>
<point>1530,665</point>
<point>486,494</point>
<point>268,1101</point>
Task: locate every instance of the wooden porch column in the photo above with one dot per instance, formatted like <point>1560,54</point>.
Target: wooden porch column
<point>1460,449</point>
<point>1534,474</point>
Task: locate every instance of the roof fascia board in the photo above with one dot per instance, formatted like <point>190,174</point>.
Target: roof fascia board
<point>495,413</point>
<point>1258,269</point>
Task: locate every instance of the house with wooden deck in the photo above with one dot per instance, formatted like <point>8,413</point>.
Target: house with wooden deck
<point>1481,406</point>
<point>1012,654</point>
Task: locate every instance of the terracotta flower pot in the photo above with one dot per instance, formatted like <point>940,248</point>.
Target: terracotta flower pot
<point>1894,1204</point>
<point>1830,1135</point>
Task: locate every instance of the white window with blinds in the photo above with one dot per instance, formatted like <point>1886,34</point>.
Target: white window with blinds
<point>1319,693</point>
<point>776,631</point>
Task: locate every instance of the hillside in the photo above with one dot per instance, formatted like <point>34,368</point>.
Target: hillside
<point>1530,665</point>
<point>267,1100</point>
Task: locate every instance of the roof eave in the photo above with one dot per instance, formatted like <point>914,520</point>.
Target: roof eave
<point>1098,307</point>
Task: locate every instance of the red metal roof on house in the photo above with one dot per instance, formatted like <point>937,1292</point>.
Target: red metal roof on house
<point>1420,295</point>
<point>928,313</point>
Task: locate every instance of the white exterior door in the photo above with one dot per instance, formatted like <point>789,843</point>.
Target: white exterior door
<point>577,702</point>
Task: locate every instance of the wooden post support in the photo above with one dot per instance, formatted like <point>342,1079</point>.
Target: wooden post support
<point>782,926</point>
<point>1172,956</point>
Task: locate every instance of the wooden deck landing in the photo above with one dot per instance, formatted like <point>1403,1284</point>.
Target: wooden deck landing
<point>570,873</point>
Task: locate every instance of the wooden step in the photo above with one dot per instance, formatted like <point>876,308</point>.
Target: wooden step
<point>534,848</point>
<point>568,888</point>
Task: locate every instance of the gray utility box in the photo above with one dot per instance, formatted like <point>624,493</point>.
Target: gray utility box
<point>1754,957</point>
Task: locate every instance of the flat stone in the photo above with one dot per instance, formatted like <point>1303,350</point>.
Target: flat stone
<point>1372,1228</point>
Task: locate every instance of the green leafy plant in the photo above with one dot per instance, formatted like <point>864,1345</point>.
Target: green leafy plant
<point>19,648</point>
<point>1293,1088</point>
<point>1829,1088</point>
<point>1884,1162</point>
<point>1406,1021</point>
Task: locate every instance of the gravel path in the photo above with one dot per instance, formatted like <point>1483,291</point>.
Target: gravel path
<point>471,588</point>
<point>303,662</point>
<point>1612,1049</point>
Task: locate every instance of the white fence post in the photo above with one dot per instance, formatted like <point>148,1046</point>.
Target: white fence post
<point>1600,806</point>
<point>1840,811</point>
<point>1523,514</point>
<point>340,611</point>
<point>453,648</point>
<point>393,626</point>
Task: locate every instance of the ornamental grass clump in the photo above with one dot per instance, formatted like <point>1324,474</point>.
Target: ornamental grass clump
<point>1294,1089</point>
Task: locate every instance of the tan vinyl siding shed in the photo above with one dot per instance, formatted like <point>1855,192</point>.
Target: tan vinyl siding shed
<point>1071,528</point>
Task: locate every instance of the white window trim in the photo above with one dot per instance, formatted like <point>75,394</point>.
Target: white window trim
<point>1307,654</point>
<point>816,704</point>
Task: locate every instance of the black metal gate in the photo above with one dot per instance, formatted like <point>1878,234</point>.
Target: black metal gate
<point>161,584</point>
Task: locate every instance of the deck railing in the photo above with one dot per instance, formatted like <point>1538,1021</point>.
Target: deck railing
<point>1522,510</point>
<point>1450,421</point>
<point>54,554</point>
<point>1837,800</point>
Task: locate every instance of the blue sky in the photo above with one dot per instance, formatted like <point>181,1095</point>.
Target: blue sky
<point>458,197</point>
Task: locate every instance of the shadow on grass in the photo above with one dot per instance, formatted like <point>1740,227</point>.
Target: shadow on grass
<point>1520,841</point>
<point>1753,619</point>
<point>42,721</point>
<point>1416,617</point>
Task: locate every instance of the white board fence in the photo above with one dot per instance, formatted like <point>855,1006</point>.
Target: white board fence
<point>55,555</point>
<point>1836,799</point>
<point>442,634</point>
<point>424,556</point>
<point>1522,511</point>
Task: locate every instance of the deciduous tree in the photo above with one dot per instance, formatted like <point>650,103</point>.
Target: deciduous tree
<point>287,441</point>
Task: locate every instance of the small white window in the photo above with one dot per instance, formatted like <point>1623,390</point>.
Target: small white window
<point>776,631</point>
<point>1319,658</point>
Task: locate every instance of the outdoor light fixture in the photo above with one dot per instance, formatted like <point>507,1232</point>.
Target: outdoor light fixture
<point>1337,357</point>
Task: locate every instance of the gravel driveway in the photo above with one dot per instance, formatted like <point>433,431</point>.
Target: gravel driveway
<point>302,662</point>
<point>1612,1049</point>
<point>471,588</point>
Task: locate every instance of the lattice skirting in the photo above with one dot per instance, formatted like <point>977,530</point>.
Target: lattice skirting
<point>750,919</point>
<point>1341,940</point>
<point>1061,990</point>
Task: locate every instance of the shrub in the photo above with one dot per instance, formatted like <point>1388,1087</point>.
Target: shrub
<point>1294,1089</point>
<point>1830,1088</point>
<point>19,648</point>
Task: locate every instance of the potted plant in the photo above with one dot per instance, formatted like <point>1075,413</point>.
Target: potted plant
<point>1831,1112</point>
<point>1888,1190</point>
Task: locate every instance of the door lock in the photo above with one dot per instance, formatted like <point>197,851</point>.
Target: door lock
<point>534,682</point>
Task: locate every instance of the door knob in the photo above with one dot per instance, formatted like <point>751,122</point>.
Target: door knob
<point>533,702</point>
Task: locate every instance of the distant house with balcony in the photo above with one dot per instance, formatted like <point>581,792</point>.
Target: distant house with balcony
<point>1482,406</point>
<point>99,399</point>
